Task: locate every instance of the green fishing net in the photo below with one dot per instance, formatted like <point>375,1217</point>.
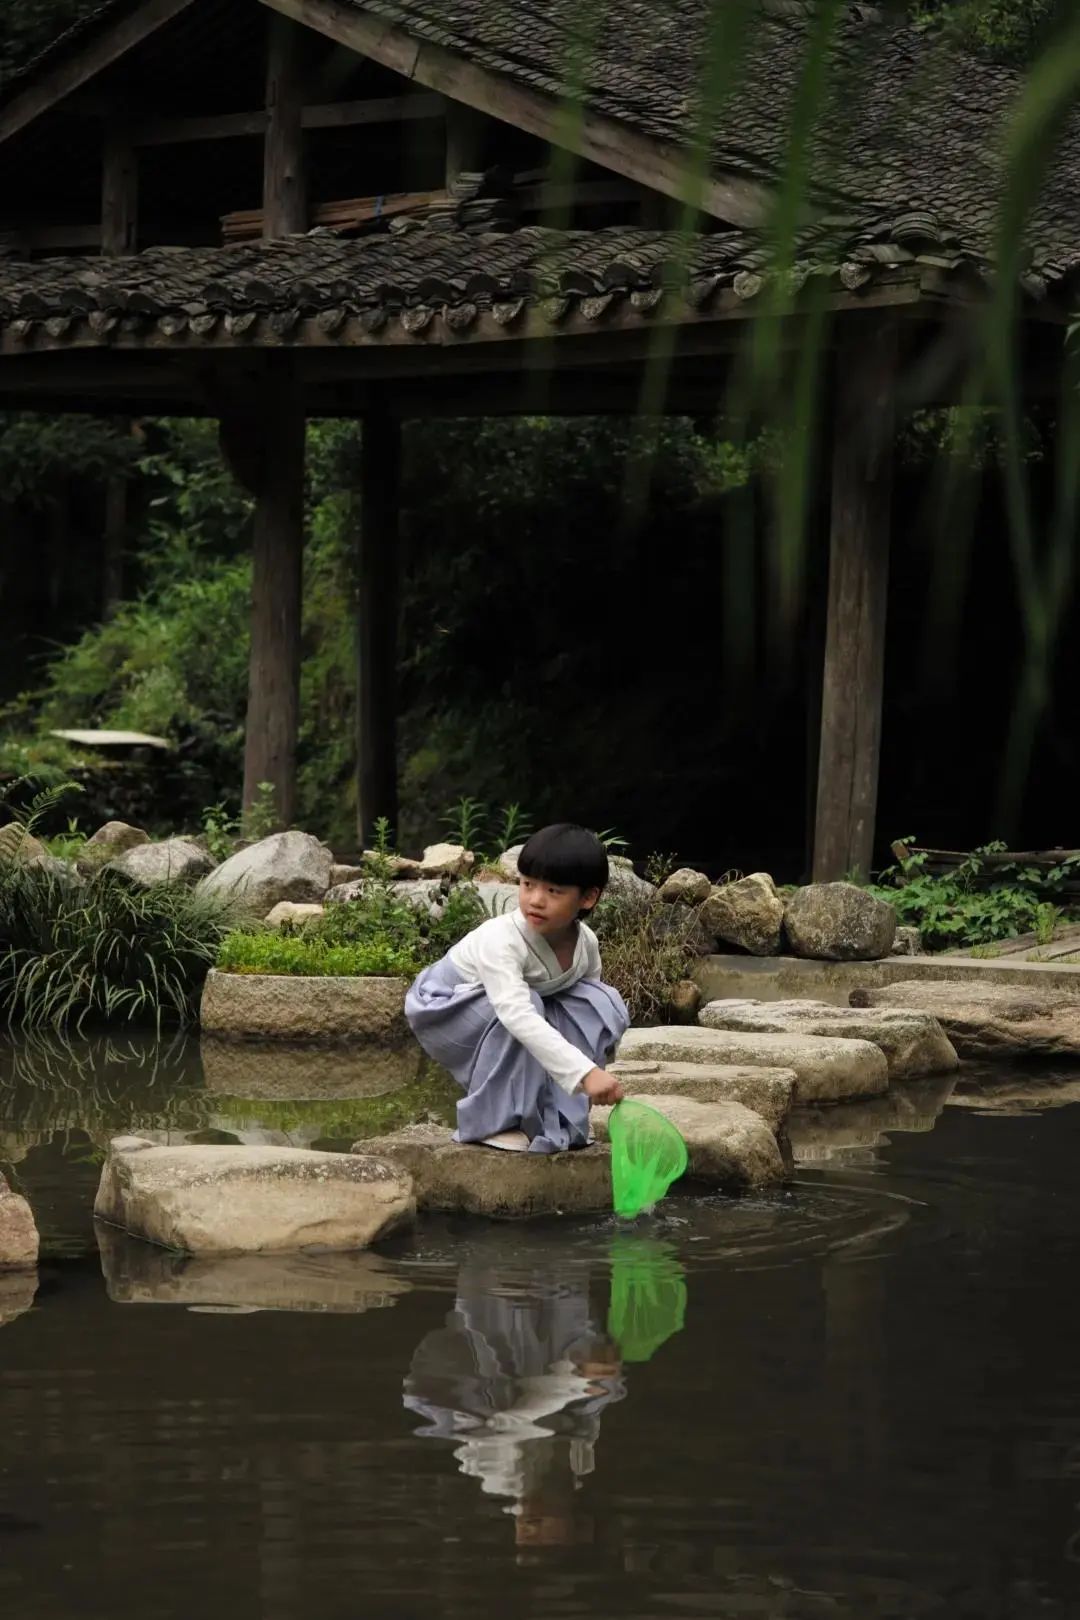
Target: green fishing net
<point>648,1297</point>
<point>647,1155</point>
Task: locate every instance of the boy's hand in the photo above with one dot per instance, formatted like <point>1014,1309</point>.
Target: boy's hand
<point>601,1087</point>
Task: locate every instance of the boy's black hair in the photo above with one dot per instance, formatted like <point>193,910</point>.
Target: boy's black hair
<point>567,855</point>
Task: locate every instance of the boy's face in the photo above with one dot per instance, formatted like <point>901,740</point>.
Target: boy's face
<point>553,908</point>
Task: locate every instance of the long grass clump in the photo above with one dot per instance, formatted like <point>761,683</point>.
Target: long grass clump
<point>100,951</point>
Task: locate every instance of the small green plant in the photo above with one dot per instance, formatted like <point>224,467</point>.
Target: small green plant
<point>513,827</point>
<point>985,952</point>
<point>613,841</point>
<point>1047,917</point>
<point>466,822</point>
<point>659,867</point>
<point>260,818</point>
<point>310,956</point>
<point>67,845</point>
<point>379,859</point>
<point>220,831</point>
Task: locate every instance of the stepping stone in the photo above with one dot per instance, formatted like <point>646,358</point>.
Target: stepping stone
<point>768,1092</point>
<point>991,1020</point>
<point>476,1180</point>
<point>730,1146</point>
<point>826,1069</point>
<point>914,1043</point>
<point>251,1200</point>
<point>344,1284</point>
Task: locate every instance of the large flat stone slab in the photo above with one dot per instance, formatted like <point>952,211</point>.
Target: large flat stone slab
<point>474,1180</point>
<point>992,1020</point>
<point>18,1231</point>
<point>768,1092</point>
<point>278,1006</point>
<point>914,1043</point>
<point>826,1069</point>
<point>778,978</point>
<point>342,1284</point>
<point>251,1200</point>
<point>730,1147</point>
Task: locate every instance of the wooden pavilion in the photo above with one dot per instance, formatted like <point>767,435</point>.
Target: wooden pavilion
<point>265,210</point>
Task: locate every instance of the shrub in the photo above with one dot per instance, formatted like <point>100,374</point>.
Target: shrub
<point>379,913</point>
<point>102,950</point>
<point>647,950</point>
<point>965,907</point>
<point>307,955</point>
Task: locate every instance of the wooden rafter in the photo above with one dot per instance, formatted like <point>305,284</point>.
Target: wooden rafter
<point>100,52</point>
<point>329,115</point>
<point>600,140</point>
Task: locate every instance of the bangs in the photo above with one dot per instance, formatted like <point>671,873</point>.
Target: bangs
<point>568,856</point>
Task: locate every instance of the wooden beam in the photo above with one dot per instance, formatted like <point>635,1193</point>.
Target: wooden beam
<point>377,592</point>
<point>864,425</point>
<point>284,181</point>
<point>51,85</point>
<point>50,237</point>
<point>329,115</point>
<point>273,712</point>
<point>119,195</point>
<point>605,141</point>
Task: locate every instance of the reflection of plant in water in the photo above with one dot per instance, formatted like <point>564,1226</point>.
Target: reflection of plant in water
<point>50,1084</point>
<point>433,1095</point>
<point>648,1296</point>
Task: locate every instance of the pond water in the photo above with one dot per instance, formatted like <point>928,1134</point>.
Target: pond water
<point>858,1398</point>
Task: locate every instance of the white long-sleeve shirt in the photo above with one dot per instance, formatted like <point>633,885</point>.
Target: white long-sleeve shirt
<point>510,959</point>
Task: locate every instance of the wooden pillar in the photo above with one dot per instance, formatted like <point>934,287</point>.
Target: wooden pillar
<point>273,712</point>
<point>119,236</point>
<point>864,425</point>
<point>377,624</point>
<point>285,208</point>
<point>465,136</point>
<point>119,195</point>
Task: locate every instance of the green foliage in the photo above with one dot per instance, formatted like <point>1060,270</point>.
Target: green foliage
<point>485,831</point>
<point>224,832</point>
<point>101,950</point>
<point>1004,30</point>
<point>311,956</point>
<point>66,846</point>
<point>966,907</point>
<point>381,914</point>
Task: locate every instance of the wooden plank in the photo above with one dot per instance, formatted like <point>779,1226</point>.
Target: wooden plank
<point>864,424</point>
<point>51,85</point>
<point>328,115</point>
<point>343,214</point>
<point>601,140</point>
<point>377,597</point>
<point>285,209</point>
<point>119,195</point>
<point>273,712</point>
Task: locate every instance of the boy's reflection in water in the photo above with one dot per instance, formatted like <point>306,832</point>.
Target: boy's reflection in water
<point>520,1376</point>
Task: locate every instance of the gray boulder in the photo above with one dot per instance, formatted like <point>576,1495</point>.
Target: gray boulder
<point>109,842</point>
<point>286,866</point>
<point>991,1021</point>
<point>687,886</point>
<point>507,863</point>
<point>294,912</point>
<point>748,913</point>
<point>251,1200</point>
<point>18,1232</point>
<point>16,844</point>
<point>839,922</point>
<point>908,942</point>
<point>175,860</point>
<point>445,860</point>
<point>626,888</point>
<point>683,923</point>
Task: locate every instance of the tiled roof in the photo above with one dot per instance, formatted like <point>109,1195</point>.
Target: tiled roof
<point>417,277</point>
